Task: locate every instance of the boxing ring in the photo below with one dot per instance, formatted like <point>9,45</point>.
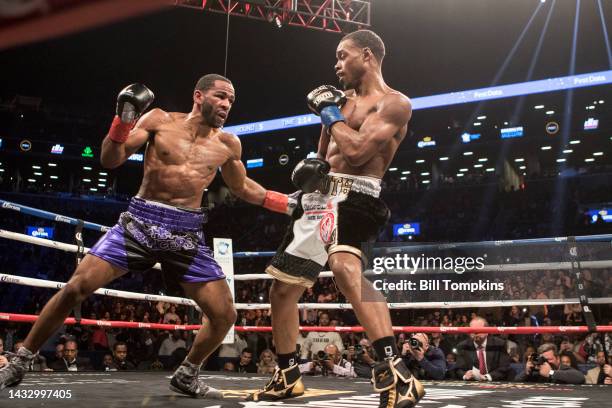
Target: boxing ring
<point>118,389</point>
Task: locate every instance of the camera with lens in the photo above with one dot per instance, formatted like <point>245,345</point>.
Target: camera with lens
<point>415,343</point>
<point>322,356</point>
<point>537,361</point>
<point>359,352</point>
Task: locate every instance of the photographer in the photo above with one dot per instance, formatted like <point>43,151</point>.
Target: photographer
<point>362,359</point>
<point>545,366</point>
<point>426,362</point>
<point>329,362</point>
<point>602,374</point>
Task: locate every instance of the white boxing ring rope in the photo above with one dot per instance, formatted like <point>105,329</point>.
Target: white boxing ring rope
<point>7,278</point>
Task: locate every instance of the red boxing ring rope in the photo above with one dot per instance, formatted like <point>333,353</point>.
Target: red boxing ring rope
<point>23,318</point>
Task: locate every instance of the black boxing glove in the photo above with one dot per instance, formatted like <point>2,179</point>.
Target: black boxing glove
<point>132,101</point>
<point>326,102</point>
<point>310,174</point>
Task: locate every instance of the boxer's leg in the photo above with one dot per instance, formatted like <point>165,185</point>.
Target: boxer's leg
<point>374,314</point>
<point>106,261</point>
<point>215,300</point>
<point>285,319</point>
<point>91,274</point>
<point>360,217</point>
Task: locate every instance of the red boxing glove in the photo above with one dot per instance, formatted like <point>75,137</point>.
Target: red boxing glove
<point>279,202</point>
<point>119,131</point>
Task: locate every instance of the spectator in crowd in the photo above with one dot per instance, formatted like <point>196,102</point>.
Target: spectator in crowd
<point>58,355</point>
<point>511,347</point>
<point>529,350</point>
<point>362,358</point>
<point>426,362</point>
<point>170,317</point>
<point>317,341</point>
<point>171,344</point>
<point>246,363</point>
<point>229,367</point>
<point>107,363</point>
<point>482,357</point>
<point>329,361</point>
<point>602,373</point>
<point>99,338</point>
<point>441,342</point>
<point>120,357</point>
<point>546,367</point>
<point>267,362</point>
<point>71,360</point>
<point>451,362</point>
<point>568,359</point>
<point>232,350</point>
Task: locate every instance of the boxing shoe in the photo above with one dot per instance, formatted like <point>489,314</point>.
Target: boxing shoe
<point>284,384</point>
<point>185,381</point>
<point>12,373</point>
<point>397,386</point>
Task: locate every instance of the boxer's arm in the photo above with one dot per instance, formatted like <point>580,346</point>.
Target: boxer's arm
<point>115,154</point>
<point>358,147</point>
<point>234,175</point>
<point>323,144</point>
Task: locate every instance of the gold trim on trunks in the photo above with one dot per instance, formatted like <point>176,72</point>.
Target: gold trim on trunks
<point>344,248</point>
<point>290,279</point>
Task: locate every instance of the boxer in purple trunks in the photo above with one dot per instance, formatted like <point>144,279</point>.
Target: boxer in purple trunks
<point>164,221</point>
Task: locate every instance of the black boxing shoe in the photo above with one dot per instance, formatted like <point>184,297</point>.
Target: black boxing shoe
<point>185,381</point>
<point>12,373</point>
<point>397,386</point>
<point>284,384</point>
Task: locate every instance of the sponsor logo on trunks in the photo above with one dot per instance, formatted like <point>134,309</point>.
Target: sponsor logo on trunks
<point>11,206</point>
<point>335,185</point>
<point>327,227</point>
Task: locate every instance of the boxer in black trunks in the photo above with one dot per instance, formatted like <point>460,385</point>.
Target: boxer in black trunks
<point>339,209</point>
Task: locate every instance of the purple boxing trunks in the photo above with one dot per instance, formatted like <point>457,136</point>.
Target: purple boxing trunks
<point>151,232</point>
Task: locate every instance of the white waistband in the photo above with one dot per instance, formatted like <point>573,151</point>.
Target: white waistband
<point>361,184</point>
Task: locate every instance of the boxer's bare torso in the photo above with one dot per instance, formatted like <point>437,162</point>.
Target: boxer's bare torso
<point>182,158</point>
<point>357,110</point>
